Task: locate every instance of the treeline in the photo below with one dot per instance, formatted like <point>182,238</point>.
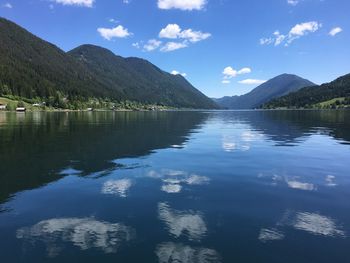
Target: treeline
<point>311,97</point>
<point>60,102</point>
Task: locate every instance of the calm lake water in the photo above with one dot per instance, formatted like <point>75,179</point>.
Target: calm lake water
<point>184,187</point>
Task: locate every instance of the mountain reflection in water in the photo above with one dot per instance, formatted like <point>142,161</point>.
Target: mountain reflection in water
<point>184,187</point>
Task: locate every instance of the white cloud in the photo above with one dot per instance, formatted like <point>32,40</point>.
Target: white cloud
<point>304,28</point>
<point>293,2</point>
<point>295,32</point>
<point>171,46</point>
<point>174,31</point>
<point>335,31</point>
<point>116,32</point>
<point>86,3</point>
<point>182,4</point>
<point>7,5</point>
<point>171,31</point>
<point>266,41</point>
<point>278,38</point>
<point>229,72</point>
<point>175,72</point>
<point>252,81</point>
<point>136,45</point>
<point>194,36</point>
<point>244,71</point>
<point>152,44</point>
<point>112,20</point>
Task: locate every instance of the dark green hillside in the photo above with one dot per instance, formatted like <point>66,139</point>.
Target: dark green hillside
<point>139,80</point>
<point>33,68</point>
<point>311,96</point>
<point>273,88</point>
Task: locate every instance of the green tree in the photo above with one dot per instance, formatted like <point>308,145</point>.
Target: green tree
<point>10,107</point>
<point>20,104</point>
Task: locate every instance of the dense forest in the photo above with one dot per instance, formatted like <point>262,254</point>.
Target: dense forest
<point>271,89</point>
<point>34,70</point>
<point>335,94</point>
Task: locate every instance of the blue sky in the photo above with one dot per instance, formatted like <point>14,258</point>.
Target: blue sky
<point>224,47</point>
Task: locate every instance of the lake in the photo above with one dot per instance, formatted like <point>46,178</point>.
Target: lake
<point>184,187</point>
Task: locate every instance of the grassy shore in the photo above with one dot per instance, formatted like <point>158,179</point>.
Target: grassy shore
<point>12,104</point>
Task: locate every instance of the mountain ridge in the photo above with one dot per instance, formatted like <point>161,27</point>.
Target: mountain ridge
<point>156,84</point>
<point>34,68</point>
<point>309,97</point>
<point>273,88</point>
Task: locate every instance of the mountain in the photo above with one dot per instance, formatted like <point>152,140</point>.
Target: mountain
<point>31,67</point>
<point>274,88</point>
<point>139,80</point>
<point>315,95</point>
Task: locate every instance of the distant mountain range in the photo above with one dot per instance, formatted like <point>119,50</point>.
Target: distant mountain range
<point>274,88</point>
<point>330,95</point>
<point>31,67</point>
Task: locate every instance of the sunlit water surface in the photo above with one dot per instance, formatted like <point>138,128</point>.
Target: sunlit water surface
<point>184,187</point>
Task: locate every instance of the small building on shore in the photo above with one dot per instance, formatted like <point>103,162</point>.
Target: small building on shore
<point>21,109</point>
<point>41,104</point>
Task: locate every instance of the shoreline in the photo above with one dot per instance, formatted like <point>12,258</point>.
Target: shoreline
<point>164,110</point>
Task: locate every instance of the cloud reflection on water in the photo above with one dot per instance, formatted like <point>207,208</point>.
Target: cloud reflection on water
<point>70,171</point>
<point>117,187</point>
<point>272,234</point>
<point>178,253</point>
<point>182,222</point>
<point>291,182</point>
<point>240,140</point>
<point>85,233</point>
<point>312,223</point>
<point>174,180</point>
<point>330,180</point>
<point>301,186</point>
<point>171,188</point>
<point>316,224</point>
<point>296,183</point>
